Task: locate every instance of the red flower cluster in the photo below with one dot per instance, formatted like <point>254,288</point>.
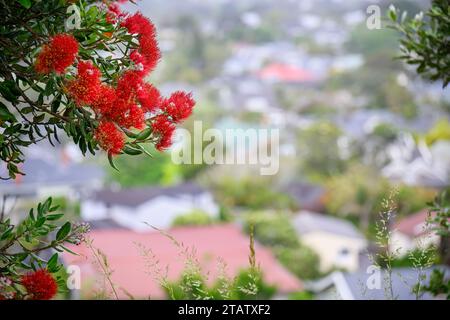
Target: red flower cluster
<point>165,129</point>
<point>179,106</point>
<point>149,53</point>
<point>40,285</point>
<point>57,55</point>
<point>110,138</point>
<point>132,102</point>
<point>85,89</point>
<point>114,13</point>
<point>128,103</point>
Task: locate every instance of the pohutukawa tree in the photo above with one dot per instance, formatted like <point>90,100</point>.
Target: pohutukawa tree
<point>79,68</point>
<point>425,41</point>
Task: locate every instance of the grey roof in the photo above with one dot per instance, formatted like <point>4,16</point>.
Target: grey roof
<point>353,286</point>
<point>136,196</point>
<point>403,281</point>
<point>39,172</point>
<point>105,224</point>
<point>306,222</point>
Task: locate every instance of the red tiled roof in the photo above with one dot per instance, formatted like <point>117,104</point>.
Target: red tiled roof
<point>413,225</point>
<point>211,243</point>
<point>285,73</point>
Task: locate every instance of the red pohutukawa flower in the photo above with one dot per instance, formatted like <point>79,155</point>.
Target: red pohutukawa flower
<point>110,138</point>
<point>149,98</point>
<point>113,13</point>
<point>40,285</point>
<point>138,24</point>
<point>148,45</point>
<point>129,84</point>
<point>85,88</point>
<point>56,56</point>
<point>129,102</point>
<point>179,106</point>
<point>105,101</point>
<point>165,129</point>
<point>134,118</point>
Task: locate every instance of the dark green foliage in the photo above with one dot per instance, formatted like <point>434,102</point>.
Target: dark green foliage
<point>21,245</point>
<point>425,41</point>
<point>250,192</point>
<point>248,285</point>
<point>275,230</point>
<point>438,284</point>
<point>301,261</point>
<point>272,229</point>
<point>319,149</point>
<point>195,218</point>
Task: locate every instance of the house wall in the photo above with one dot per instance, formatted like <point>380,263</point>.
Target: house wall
<point>402,243</point>
<point>159,212</point>
<point>329,247</point>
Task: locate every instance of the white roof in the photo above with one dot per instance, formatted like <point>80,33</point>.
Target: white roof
<point>306,222</point>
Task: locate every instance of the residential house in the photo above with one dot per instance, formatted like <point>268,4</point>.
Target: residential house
<point>372,285</point>
<point>137,208</point>
<point>284,73</point>
<point>412,232</point>
<point>361,123</point>
<point>337,242</point>
<point>141,260</point>
<point>306,196</point>
<point>56,174</point>
<point>48,172</point>
<point>417,164</point>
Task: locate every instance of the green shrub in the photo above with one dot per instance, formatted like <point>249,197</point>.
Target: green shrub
<point>276,231</point>
<point>272,229</point>
<point>247,285</point>
<point>303,295</point>
<point>195,218</point>
<point>250,192</point>
<point>301,261</point>
<point>192,285</point>
<point>225,214</point>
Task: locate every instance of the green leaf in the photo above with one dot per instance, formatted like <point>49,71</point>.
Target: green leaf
<point>53,217</point>
<point>130,134</point>
<point>111,161</point>
<point>9,91</point>
<point>52,264</point>
<point>131,151</point>
<point>393,13</point>
<point>63,231</point>
<point>144,134</point>
<point>7,233</point>
<point>49,87</point>
<point>5,114</point>
<point>25,3</point>
<point>68,250</point>
<point>31,214</point>
<point>26,110</point>
<point>55,103</point>
<point>29,245</point>
<point>39,118</point>
<point>40,221</point>
<point>145,151</point>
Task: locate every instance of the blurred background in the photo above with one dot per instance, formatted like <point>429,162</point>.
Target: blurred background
<point>354,123</point>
